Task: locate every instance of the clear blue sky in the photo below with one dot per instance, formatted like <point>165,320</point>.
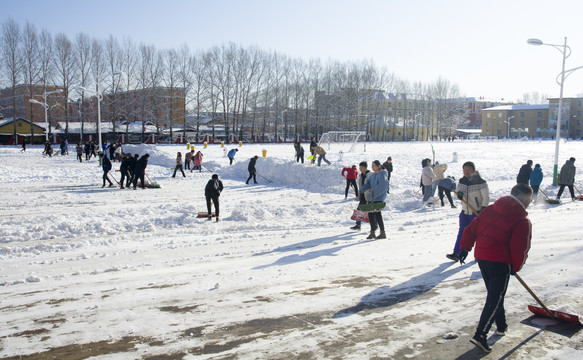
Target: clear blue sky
<point>480,45</point>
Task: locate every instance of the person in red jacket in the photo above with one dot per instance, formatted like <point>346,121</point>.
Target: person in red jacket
<point>501,234</point>
<point>351,174</point>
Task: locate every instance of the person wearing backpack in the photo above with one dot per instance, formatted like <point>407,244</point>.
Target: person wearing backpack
<point>212,191</point>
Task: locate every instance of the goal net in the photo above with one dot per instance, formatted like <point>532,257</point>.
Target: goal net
<point>350,138</point>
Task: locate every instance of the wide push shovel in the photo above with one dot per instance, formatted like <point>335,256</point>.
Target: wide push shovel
<point>580,196</point>
<point>544,311</point>
<point>549,200</point>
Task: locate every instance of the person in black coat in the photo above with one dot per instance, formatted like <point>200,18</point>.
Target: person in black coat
<point>524,173</point>
<point>140,170</point>
<point>252,170</point>
<point>388,165</point>
<point>299,151</point>
<point>106,165</point>
<point>125,174</point>
<point>132,161</point>
<point>212,191</point>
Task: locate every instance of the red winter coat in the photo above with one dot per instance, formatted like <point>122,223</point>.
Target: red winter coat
<point>351,173</point>
<point>197,159</point>
<point>501,233</point>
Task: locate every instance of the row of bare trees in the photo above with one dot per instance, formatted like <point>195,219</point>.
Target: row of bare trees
<point>252,91</point>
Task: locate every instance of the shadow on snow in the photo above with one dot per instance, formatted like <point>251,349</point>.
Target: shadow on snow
<point>386,296</point>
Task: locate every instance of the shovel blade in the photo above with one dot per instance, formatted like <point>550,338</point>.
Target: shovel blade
<point>559,315</point>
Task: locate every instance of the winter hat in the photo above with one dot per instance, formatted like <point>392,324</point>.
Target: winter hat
<point>537,166</point>
<point>255,157</point>
<point>354,166</point>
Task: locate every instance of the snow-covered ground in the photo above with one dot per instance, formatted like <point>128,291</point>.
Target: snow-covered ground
<point>105,273</point>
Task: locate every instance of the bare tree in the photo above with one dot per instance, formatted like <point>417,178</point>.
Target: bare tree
<point>31,66</point>
<point>128,65</point>
<point>12,62</point>
<point>84,63</point>
<point>171,72</point>
<point>66,71</point>
<point>113,61</point>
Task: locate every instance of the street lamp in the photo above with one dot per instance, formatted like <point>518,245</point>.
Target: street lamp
<point>508,122</point>
<point>566,51</point>
<point>416,124</point>
<point>284,111</point>
<point>99,98</point>
<point>46,106</point>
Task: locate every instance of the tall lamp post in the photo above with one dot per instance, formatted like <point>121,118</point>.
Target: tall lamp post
<point>99,98</point>
<point>508,122</point>
<point>566,51</point>
<point>46,106</point>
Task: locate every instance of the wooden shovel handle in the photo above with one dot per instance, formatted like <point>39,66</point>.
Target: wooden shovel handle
<point>469,207</point>
<point>534,296</point>
<point>577,190</point>
<point>541,190</point>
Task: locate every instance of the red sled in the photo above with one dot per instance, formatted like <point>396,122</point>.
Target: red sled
<point>204,214</point>
<point>559,315</point>
<point>358,215</point>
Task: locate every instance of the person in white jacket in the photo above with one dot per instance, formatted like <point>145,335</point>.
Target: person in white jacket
<point>427,179</point>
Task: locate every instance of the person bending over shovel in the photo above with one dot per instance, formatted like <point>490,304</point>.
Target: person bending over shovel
<point>212,191</point>
<point>502,236</point>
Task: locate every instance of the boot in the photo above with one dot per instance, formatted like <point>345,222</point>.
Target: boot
<point>355,227</point>
<point>371,235</point>
<point>382,235</point>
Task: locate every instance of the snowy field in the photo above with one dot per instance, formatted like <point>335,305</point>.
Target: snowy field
<point>105,273</point>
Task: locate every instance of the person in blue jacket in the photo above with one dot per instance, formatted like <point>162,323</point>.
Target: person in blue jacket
<point>231,155</point>
<point>379,184</point>
<point>536,178</point>
<point>106,165</point>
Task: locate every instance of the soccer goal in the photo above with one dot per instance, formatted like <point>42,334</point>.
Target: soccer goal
<point>350,138</point>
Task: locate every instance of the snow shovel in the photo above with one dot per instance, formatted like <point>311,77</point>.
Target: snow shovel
<point>152,184</point>
<point>544,311</point>
<point>264,177</point>
<point>549,200</point>
<point>469,206</point>
<point>372,206</point>
<point>580,196</point>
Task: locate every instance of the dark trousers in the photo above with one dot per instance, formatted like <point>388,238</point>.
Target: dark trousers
<point>465,220</point>
<point>130,177</point>
<point>444,191</point>
<point>215,200</point>
<point>141,177</point>
<point>105,177</point>
<point>496,276</point>
<point>125,176</point>
<point>252,174</point>
<point>187,165</point>
<point>80,157</point>
<point>231,161</point>
<point>535,191</point>
<point>300,157</point>
<point>376,220</point>
<point>563,188</point>
<point>178,167</point>
<point>353,183</point>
